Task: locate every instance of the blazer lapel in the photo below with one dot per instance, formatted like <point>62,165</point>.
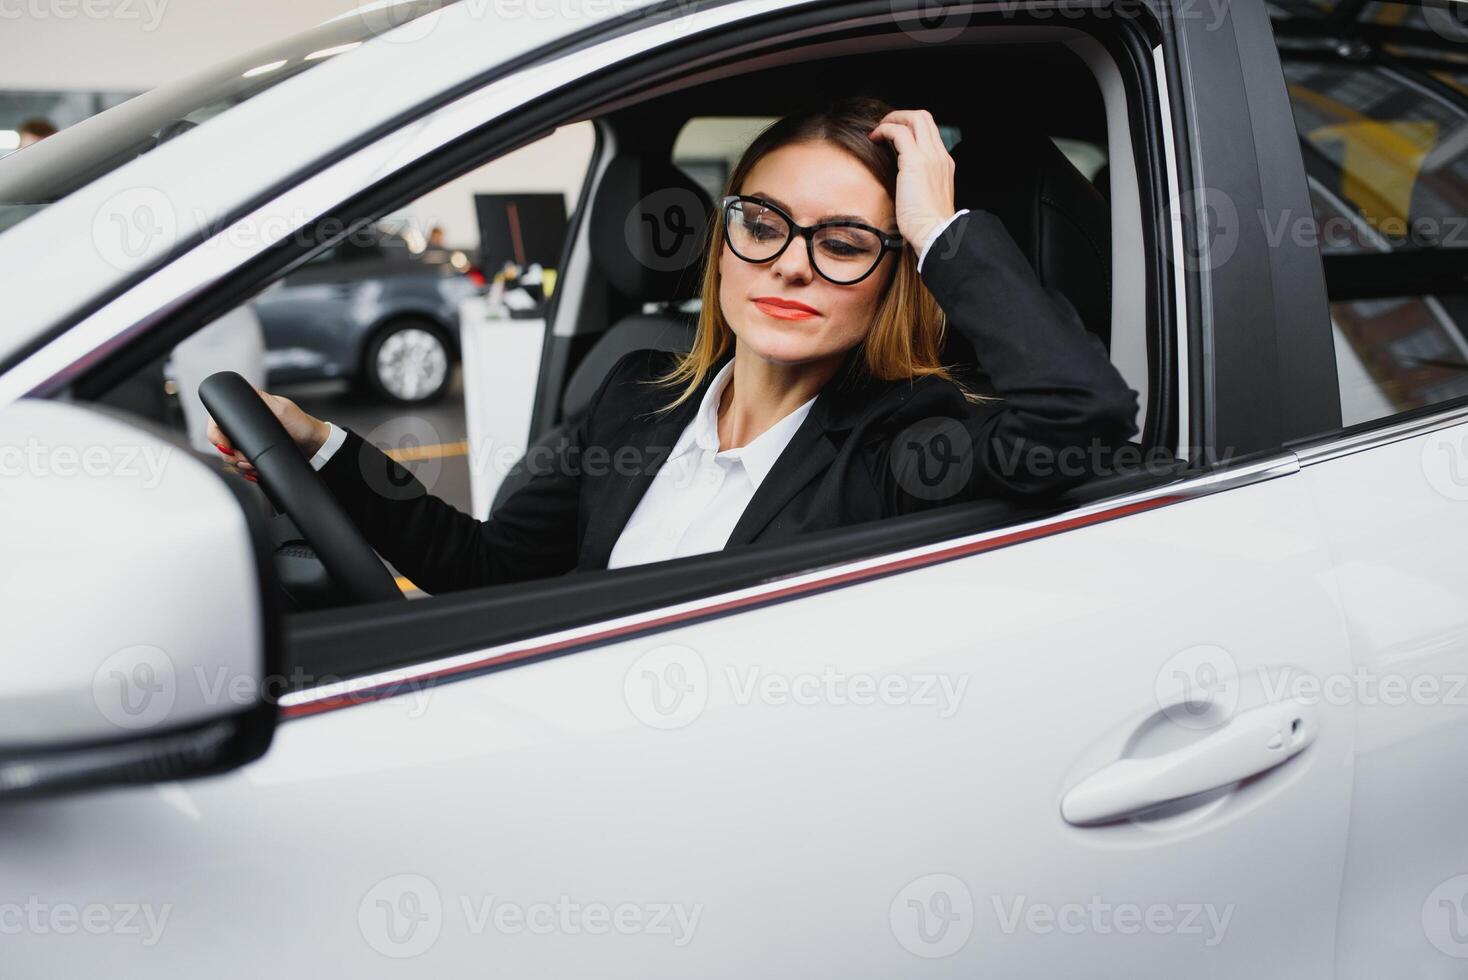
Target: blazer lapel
<point>808,454</point>
<point>653,439</point>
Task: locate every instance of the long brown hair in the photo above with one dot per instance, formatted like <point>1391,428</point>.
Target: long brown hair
<point>906,338</point>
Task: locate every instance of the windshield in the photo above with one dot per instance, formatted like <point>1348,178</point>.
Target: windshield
<point>46,171</point>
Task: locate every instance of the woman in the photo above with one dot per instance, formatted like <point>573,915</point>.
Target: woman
<point>813,395</point>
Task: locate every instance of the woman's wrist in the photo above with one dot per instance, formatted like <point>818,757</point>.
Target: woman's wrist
<point>320,432</point>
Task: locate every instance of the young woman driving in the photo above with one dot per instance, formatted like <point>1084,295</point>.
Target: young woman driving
<point>813,395</point>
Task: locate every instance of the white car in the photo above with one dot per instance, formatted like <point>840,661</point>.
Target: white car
<point>1205,715</point>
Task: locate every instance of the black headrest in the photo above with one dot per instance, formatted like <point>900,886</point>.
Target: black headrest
<point>648,224</point>
<point>1056,216</point>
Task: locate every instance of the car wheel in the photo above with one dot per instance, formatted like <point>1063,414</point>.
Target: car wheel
<point>408,361</point>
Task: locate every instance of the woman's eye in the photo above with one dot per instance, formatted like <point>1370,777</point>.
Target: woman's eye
<point>760,229</point>
<point>842,249</point>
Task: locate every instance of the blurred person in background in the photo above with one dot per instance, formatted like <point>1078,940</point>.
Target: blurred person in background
<point>35,130</point>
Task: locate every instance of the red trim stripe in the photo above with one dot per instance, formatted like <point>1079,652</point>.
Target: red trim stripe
<point>896,566</point>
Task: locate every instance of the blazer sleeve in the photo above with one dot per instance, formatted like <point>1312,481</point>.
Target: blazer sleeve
<point>1060,400</point>
<point>533,534</point>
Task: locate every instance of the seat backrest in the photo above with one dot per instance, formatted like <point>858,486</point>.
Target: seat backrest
<point>1055,215</point>
<point>649,223</point>
<point>647,230</point>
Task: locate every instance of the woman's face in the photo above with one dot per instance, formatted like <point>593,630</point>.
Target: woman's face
<point>811,182</point>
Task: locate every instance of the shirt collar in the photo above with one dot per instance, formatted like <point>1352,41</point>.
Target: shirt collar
<point>759,455</point>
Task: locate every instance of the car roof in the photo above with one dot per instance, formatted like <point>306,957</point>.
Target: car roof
<point>195,183</point>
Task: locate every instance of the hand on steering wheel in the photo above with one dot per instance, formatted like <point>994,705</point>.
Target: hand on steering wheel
<point>252,426</point>
<point>305,430</point>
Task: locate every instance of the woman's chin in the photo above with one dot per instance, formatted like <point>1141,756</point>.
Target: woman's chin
<point>792,342</point>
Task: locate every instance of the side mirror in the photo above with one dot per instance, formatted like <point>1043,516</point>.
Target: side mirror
<point>142,628</point>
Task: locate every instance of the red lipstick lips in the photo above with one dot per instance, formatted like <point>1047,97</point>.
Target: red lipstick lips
<point>784,309</point>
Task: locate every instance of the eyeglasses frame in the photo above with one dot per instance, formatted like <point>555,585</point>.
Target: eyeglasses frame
<point>889,242</point>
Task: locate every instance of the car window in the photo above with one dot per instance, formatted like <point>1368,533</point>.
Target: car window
<point>357,333</point>
<point>1381,109</point>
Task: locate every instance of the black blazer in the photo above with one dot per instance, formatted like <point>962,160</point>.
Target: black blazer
<point>866,450</point>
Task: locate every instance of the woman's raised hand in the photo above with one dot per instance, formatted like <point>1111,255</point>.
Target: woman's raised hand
<point>305,430</point>
<point>924,172</point>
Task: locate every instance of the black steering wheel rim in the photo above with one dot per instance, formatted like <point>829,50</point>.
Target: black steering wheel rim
<point>296,488</point>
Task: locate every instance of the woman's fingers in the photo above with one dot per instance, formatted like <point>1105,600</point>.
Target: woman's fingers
<point>900,135</point>
<point>921,124</point>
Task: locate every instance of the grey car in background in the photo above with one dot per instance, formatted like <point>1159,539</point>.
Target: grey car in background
<point>372,310</point>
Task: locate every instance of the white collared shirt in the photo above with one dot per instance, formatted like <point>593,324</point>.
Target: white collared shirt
<point>700,491</point>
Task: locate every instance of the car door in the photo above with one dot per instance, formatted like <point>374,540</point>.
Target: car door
<point>863,772</point>
<point>1043,750</point>
<point>1382,143</point>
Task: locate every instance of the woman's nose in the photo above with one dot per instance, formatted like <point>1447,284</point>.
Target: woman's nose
<point>794,262</point>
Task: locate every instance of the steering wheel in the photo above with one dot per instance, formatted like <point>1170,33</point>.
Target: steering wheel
<point>295,487</point>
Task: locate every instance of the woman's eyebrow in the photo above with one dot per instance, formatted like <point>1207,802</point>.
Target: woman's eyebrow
<point>830,217</point>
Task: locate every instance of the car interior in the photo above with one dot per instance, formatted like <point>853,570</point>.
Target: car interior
<point>1040,122</point>
<point>1007,163</point>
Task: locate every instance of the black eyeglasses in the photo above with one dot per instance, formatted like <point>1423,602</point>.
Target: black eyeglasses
<point>849,251</point>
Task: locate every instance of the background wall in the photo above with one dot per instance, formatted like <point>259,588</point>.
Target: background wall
<point>133,45</point>
<point>67,59</point>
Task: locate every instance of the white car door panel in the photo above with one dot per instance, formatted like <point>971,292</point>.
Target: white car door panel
<point>859,781</point>
<point>1396,514</point>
